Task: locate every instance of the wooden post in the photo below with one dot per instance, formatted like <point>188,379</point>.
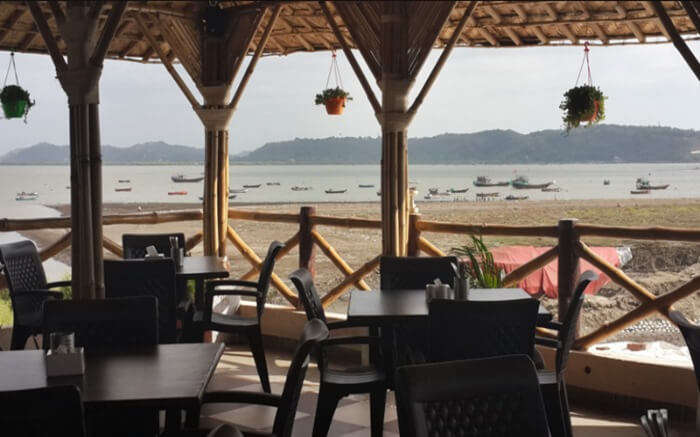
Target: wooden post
<point>678,41</point>
<point>413,235</point>
<point>568,263</point>
<point>307,249</point>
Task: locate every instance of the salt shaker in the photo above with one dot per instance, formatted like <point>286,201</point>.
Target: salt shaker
<point>461,283</point>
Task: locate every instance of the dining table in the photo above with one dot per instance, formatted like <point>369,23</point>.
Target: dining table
<point>160,377</point>
<point>200,268</point>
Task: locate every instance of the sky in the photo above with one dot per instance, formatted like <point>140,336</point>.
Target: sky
<point>478,89</point>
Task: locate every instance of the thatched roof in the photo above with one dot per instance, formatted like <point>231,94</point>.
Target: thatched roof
<point>302,26</point>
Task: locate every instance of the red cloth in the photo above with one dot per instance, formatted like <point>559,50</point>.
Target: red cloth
<point>544,280</point>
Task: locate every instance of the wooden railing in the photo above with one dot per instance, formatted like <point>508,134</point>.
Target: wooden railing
<point>568,250</point>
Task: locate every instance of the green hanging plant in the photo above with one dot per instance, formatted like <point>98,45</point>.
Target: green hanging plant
<point>481,267</point>
<point>581,104</point>
<point>15,101</point>
<point>332,93</point>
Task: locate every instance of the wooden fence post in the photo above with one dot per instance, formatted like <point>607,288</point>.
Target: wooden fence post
<point>568,263</point>
<point>307,250</point>
<point>413,235</point>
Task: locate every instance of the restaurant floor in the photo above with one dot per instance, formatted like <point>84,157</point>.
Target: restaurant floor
<point>236,371</point>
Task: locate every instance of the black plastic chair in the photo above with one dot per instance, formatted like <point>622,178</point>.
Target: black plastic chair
<point>104,323</point>
<point>225,431</point>
<point>208,320</point>
<point>135,245</point>
<point>315,331</point>
<point>496,396</point>
<point>138,277</point>
<point>42,412</point>
<point>691,333</point>
<point>336,384</point>
<point>552,382</point>
<point>28,288</point>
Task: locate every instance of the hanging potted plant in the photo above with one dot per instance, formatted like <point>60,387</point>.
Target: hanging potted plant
<point>334,99</point>
<point>583,103</point>
<point>14,99</point>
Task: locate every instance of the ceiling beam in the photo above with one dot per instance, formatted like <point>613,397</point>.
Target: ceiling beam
<point>693,10</point>
<point>681,46</point>
<point>493,13</point>
<point>521,13</point>
<point>566,30</point>
<point>600,33</point>
<point>489,37</point>
<point>10,21</point>
<point>636,31</point>
<point>537,30</point>
<point>513,36</point>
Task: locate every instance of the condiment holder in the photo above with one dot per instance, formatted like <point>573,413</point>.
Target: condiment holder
<point>63,358</point>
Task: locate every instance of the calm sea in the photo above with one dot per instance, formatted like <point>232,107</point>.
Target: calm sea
<point>152,183</point>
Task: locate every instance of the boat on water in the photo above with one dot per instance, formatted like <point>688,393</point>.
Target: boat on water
<point>433,190</point>
<point>366,185</point>
<point>551,189</point>
<point>124,181</point>
<point>455,191</point>
<point>269,184</point>
<point>640,191</point>
<point>183,178</point>
<point>300,188</point>
<point>177,193</point>
<point>513,197</point>
<point>644,184</point>
<point>27,196</point>
<point>486,196</point>
<point>123,189</point>
<point>484,181</point>
<point>523,183</point>
<point>606,181</point>
<point>379,193</point>
<point>252,186</point>
<point>230,197</point>
<point>237,190</point>
<point>331,191</point>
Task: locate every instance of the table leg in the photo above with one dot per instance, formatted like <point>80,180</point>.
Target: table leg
<point>199,294</point>
<point>173,421</point>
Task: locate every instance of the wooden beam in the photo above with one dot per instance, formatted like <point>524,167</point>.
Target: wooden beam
<point>168,65</point>
<point>566,30</point>
<point>521,13</point>
<point>248,44</point>
<point>57,11</point>
<point>540,34</point>
<point>600,33</point>
<point>488,36</point>
<point>253,62</point>
<point>351,59</point>
<point>677,40</point>
<point>27,41</point>
<point>513,36</point>
<point>493,13</point>
<point>128,48</point>
<point>693,12</point>
<point>584,10</point>
<point>636,31</point>
<point>443,57</point>
<point>9,22</point>
<point>49,39</point>
<point>110,28</point>
<point>661,27</point>
<point>550,11</point>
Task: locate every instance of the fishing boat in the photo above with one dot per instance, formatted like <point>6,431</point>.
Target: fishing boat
<point>513,197</point>
<point>124,181</point>
<point>454,191</point>
<point>366,185</point>
<point>27,196</point>
<point>484,181</point>
<point>486,196</point>
<point>183,178</point>
<point>237,190</point>
<point>379,193</point>
<point>331,191</point>
<point>644,184</point>
<point>269,184</point>
<point>300,188</point>
<point>433,190</point>
<point>123,189</point>
<point>552,189</point>
<point>523,183</point>
<point>640,191</point>
<point>606,181</point>
<point>177,193</point>
<point>252,186</point>
<point>230,197</point>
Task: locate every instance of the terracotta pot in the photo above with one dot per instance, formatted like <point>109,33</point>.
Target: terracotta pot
<point>335,106</point>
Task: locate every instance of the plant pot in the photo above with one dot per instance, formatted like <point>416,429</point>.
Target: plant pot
<point>335,106</point>
<point>14,109</point>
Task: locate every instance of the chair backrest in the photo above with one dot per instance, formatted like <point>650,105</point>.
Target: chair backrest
<point>140,277</point>
<point>22,266</point>
<point>462,330</point>
<point>225,431</point>
<point>308,295</point>
<point>104,323</point>
<point>315,331</point>
<point>398,273</point>
<point>42,412</point>
<point>135,244</point>
<point>691,333</point>
<point>567,334</point>
<point>487,397</point>
<point>268,265</point>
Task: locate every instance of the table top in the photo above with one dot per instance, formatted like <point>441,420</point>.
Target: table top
<point>390,306</point>
<point>203,267</point>
<point>163,376</point>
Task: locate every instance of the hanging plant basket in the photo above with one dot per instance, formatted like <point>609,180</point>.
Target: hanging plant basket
<point>15,101</point>
<point>581,104</point>
<point>334,99</point>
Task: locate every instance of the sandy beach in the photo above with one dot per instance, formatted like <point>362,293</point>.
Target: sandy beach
<point>659,266</point>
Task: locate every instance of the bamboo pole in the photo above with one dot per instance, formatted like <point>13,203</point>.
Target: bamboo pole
<point>346,222</point>
<point>413,235</point>
<point>141,218</point>
<point>193,241</point>
<point>113,247</point>
<point>617,275</point>
<point>49,40</point>
<point>222,190</point>
<point>336,259</point>
<point>290,244</point>
<point>339,289</point>
<point>531,266</point>
<point>568,266</point>
<point>661,304</point>
<point>678,41</point>
<point>428,247</point>
<point>307,252</point>
<point>484,229</point>
<point>638,233</point>
<point>260,216</point>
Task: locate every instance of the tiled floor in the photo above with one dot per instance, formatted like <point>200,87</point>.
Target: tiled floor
<point>236,371</point>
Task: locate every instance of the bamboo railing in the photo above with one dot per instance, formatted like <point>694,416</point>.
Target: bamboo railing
<point>568,250</point>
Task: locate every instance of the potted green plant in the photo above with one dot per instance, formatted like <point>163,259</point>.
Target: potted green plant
<point>481,267</point>
<point>582,103</point>
<point>334,99</point>
<point>15,101</point>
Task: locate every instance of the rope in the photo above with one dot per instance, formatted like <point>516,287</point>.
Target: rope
<point>587,63</point>
<point>14,67</point>
<point>335,72</point>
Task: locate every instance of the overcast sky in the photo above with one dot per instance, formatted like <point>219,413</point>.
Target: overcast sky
<point>478,89</point>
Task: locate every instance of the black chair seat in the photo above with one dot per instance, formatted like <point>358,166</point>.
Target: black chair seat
<point>359,376</point>
<point>219,322</point>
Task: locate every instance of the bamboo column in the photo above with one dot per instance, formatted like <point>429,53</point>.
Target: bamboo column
<point>86,48</point>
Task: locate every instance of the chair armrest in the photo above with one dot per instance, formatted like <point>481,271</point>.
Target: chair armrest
<point>374,341</point>
<point>230,282</point>
<point>344,324</point>
<point>551,325</point>
<point>232,292</point>
<point>33,294</point>
<point>549,342</point>
<point>58,284</point>
<point>242,397</point>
